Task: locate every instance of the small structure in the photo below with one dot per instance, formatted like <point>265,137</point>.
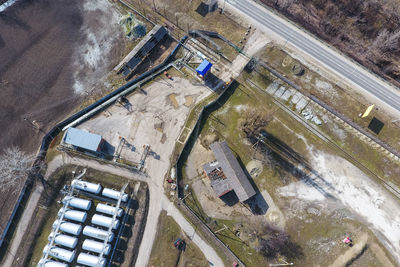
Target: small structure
<point>86,186</point>
<point>203,68</point>
<point>376,125</point>
<point>83,141</point>
<point>98,233</point>
<point>129,64</point>
<point>91,260</point>
<point>95,246</point>
<point>64,240</point>
<point>226,174</point>
<point>68,227</point>
<point>132,27</point>
<point>110,210</point>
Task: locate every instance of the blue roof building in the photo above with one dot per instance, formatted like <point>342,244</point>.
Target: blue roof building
<point>83,139</point>
<point>203,68</point>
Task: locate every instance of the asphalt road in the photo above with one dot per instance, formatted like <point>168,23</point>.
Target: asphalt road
<point>320,52</point>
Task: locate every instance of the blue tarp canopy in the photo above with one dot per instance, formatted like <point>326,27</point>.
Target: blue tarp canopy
<point>82,139</point>
<point>203,67</point>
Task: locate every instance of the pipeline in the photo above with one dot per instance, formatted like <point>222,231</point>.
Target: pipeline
<point>48,138</point>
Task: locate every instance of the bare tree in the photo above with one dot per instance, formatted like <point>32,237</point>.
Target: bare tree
<point>15,166</point>
<point>254,120</point>
<point>387,41</point>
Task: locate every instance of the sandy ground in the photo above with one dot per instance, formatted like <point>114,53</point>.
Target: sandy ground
<point>343,185</point>
<point>151,109</point>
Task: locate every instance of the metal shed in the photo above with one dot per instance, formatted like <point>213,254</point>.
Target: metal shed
<point>83,139</point>
<point>235,175</point>
<point>203,68</point>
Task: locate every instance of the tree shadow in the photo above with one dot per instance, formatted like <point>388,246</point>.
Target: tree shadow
<point>283,156</point>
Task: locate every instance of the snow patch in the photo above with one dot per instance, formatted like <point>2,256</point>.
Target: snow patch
<point>348,185</point>
<point>240,108</point>
<point>92,57</point>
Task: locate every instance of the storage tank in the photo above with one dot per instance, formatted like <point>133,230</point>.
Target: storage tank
<point>105,221</point>
<point>110,210</point>
<point>95,246</point>
<point>60,253</point>
<point>90,260</point>
<point>78,203</point>
<point>67,227</point>
<point>97,233</point>
<point>86,186</point>
<point>50,263</point>
<point>64,240</point>
<point>74,215</point>
<point>114,194</point>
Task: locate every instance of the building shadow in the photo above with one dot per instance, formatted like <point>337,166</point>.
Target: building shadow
<point>230,198</point>
<point>107,148</point>
<point>214,83</point>
<point>256,203</point>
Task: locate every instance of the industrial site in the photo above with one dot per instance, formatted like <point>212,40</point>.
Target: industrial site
<point>213,141</point>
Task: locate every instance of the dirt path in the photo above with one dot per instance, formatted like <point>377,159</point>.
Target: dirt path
<point>11,259</point>
<point>207,250</point>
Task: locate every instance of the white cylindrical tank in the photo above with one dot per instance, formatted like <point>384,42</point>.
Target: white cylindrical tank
<point>114,194</point>
<point>64,240</point>
<point>105,221</point>
<point>97,233</point>
<point>67,227</point>
<point>78,203</point>
<point>74,215</point>
<point>60,253</point>
<point>91,260</point>
<point>95,246</point>
<point>50,263</point>
<point>86,186</point>
<point>110,210</point>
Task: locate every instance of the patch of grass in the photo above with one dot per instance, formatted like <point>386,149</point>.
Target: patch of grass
<point>247,255</point>
<point>165,254</point>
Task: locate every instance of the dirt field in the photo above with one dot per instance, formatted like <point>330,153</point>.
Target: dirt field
<point>153,118</point>
<point>51,51</point>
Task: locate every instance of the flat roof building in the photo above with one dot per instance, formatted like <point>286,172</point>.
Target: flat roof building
<point>226,174</point>
<point>82,139</point>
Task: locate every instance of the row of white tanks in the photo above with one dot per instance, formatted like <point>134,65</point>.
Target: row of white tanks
<point>96,189</point>
<point>76,229</point>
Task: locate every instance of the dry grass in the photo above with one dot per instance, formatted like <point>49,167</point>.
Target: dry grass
<point>165,254</point>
